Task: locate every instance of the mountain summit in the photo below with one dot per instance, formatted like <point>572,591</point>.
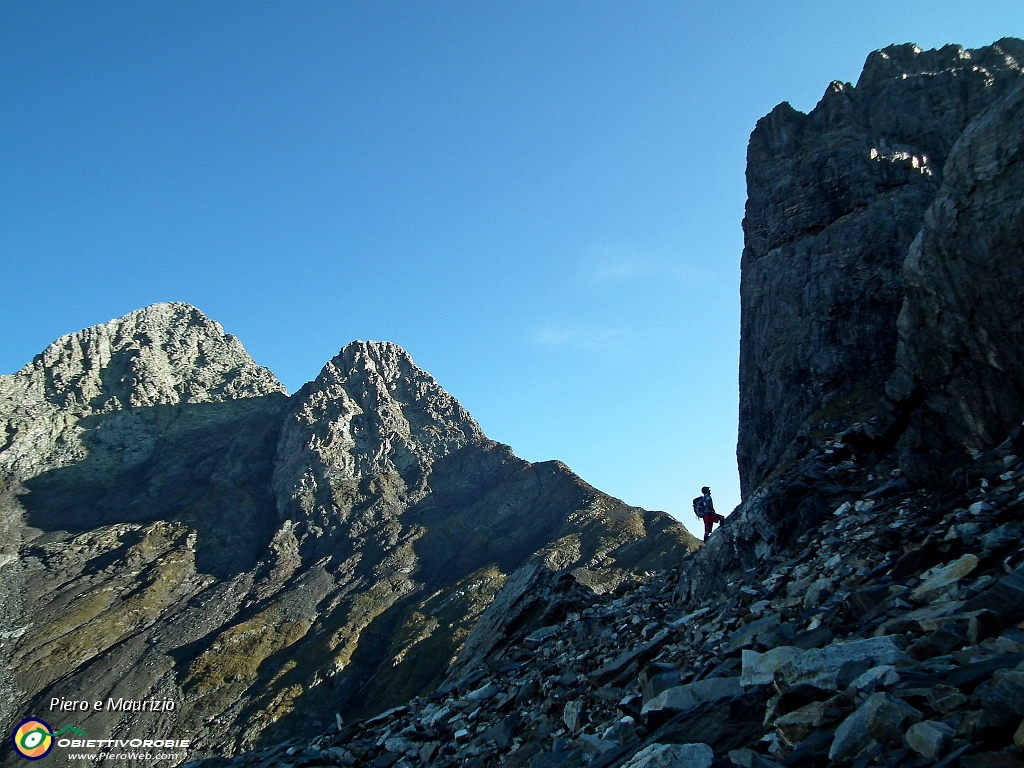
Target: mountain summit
<point>176,527</point>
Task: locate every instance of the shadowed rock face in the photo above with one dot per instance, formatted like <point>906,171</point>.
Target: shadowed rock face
<point>835,198</point>
<point>961,331</point>
<point>176,527</point>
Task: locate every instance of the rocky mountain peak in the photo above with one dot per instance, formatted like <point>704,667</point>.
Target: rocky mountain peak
<point>160,355</point>
<point>163,355</point>
<point>909,60</point>
<point>370,413</point>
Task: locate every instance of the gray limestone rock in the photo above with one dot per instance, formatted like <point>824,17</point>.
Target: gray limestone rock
<point>835,198</point>
<point>822,667</point>
<point>881,718</point>
<point>931,739</point>
<point>683,698</point>
<point>673,756</point>
<point>960,330</point>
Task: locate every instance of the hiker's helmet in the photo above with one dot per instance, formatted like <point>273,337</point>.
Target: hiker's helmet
<point>705,489</point>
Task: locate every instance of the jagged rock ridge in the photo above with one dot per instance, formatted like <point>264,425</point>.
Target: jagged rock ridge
<point>177,527</point>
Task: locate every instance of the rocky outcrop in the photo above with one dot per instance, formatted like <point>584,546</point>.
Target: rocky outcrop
<point>179,529</point>
<point>961,330</point>
<point>835,198</point>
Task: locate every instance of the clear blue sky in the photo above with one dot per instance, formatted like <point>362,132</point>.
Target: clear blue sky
<point>540,201</point>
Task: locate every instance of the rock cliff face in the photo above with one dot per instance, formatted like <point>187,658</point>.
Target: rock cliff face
<point>961,330</point>
<point>835,199</point>
<point>176,527</point>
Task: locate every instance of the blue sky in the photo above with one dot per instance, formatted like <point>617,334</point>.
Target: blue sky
<point>540,201</point>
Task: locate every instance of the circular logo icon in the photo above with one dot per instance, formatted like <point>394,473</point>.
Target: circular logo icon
<point>32,739</point>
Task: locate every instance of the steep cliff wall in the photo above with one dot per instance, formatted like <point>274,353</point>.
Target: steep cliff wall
<point>835,198</point>
<point>961,331</point>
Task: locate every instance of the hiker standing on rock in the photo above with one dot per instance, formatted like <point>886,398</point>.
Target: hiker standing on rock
<point>704,508</point>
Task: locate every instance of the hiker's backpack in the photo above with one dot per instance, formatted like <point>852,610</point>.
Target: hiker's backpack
<point>698,506</point>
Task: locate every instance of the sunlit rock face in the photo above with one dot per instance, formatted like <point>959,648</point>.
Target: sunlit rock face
<point>835,199</point>
<point>175,526</point>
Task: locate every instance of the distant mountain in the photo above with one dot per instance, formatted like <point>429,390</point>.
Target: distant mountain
<point>176,527</point>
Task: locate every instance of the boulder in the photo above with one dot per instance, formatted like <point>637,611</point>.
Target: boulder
<point>683,698</point>
<point>759,668</point>
<point>931,739</point>
<point>672,756</point>
<point>944,575</point>
<point>881,718</point>
<point>821,667</point>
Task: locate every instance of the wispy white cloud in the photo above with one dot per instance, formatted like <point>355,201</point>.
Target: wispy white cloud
<point>589,338</point>
<point>608,262</point>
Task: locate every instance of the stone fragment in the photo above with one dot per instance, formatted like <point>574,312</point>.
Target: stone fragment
<point>821,667</point>
<point>398,744</point>
<point>660,682</point>
<point>945,698</point>
<point>1003,705</point>
<point>944,575</point>
<point>864,600</point>
<point>501,733</point>
<point>1008,533</point>
<point>637,655</point>
<point>672,756</point>
<point>683,698</point>
<point>759,668</point>
<point>748,635</point>
<point>385,760</point>
<point>622,732</point>
<point>797,725</point>
<point>597,744</point>
<point>748,758</point>
<point>682,621</point>
<point>1018,737</point>
<point>540,635</point>
<point>818,591</point>
<point>1005,598</point>
<point>969,675</point>
<point>930,739</point>
<point>483,693</point>
<point>572,715</point>
<point>812,638</point>
<point>573,758</point>
<point>882,676</point>
<point>427,751</point>
<point>881,718</point>
<point>383,717</point>
<point>992,760</point>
